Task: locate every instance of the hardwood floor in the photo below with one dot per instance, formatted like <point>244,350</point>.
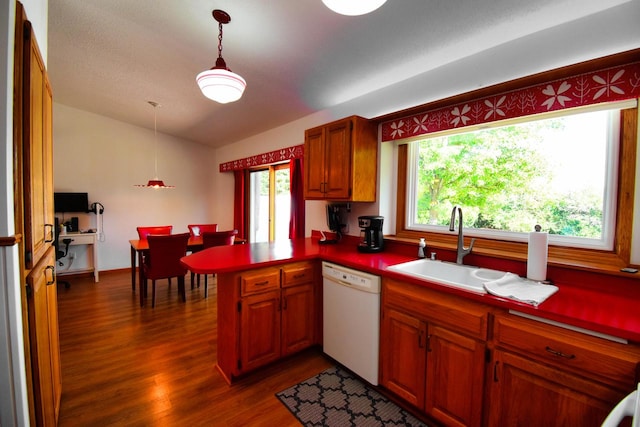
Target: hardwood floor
<point>127,365</point>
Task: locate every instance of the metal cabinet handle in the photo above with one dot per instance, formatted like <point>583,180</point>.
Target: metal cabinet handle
<point>266,282</point>
<point>495,371</point>
<point>53,274</point>
<point>559,353</point>
<point>51,234</point>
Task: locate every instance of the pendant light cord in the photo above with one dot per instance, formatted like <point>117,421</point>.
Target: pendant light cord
<point>155,138</point>
<point>155,134</point>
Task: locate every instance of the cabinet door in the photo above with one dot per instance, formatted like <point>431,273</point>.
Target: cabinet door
<point>314,164</point>
<point>44,341</point>
<point>403,355</point>
<point>259,330</point>
<point>38,154</point>
<point>455,378</point>
<point>338,160</point>
<point>526,393</point>
<point>297,318</point>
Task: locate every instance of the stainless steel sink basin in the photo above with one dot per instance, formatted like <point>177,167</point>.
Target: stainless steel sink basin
<point>448,274</point>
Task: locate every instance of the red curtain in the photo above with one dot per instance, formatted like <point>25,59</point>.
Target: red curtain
<point>296,223</point>
<point>239,204</point>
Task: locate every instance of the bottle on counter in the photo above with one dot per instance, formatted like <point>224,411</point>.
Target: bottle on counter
<point>422,247</point>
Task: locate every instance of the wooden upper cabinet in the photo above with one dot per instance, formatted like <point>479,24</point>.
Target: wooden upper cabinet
<point>37,153</point>
<point>341,161</point>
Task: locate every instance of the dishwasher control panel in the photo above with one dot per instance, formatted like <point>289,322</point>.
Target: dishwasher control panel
<point>349,277</point>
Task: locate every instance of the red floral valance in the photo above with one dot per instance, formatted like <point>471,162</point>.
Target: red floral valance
<point>607,85</point>
<point>295,152</point>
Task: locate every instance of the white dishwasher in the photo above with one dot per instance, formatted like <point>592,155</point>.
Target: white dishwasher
<point>351,319</point>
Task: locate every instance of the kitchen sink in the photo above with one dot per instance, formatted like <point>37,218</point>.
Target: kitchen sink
<point>449,274</point>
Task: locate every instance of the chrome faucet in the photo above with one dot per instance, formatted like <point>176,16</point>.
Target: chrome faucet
<point>461,251</point>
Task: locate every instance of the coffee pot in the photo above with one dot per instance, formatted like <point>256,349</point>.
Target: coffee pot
<point>371,239</point>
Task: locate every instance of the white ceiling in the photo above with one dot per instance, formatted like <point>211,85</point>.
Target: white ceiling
<point>111,57</point>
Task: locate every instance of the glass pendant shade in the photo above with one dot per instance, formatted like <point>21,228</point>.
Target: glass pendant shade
<point>353,7</point>
<point>156,183</point>
<point>221,85</point>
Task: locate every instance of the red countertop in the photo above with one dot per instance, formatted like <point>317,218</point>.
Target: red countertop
<point>608,310</point>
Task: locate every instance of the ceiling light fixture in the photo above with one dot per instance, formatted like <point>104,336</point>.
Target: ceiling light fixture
<point>220,83</point>
<point>155,182</point>
<point>353,7</point>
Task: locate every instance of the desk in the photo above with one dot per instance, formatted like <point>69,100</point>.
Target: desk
<point>89,239</point>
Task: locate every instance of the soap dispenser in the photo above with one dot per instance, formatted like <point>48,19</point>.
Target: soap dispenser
<point>422,247</point>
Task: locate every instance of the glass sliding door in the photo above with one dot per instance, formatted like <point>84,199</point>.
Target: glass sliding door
<point>269,203</point>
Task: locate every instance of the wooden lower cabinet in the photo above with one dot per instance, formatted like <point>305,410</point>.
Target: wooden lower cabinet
<point>547,375</point>
<point>265,314</point>
<point>403,355</point>
<point>259,329</point>
<point>298,318</point>
<point>467,364</point>
<point>437,366</point>
<point>527,393</point>
<point>455,377</point>
<point>44,340</point>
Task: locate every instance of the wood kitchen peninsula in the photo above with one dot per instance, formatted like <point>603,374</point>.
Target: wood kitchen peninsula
<point>557,346</point>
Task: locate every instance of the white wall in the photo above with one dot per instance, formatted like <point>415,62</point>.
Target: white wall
<point>106,158</point>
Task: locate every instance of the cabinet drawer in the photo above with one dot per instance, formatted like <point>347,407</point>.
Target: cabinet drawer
<point>296,274</point>
<point>259,281</point>
<point>606,361</point>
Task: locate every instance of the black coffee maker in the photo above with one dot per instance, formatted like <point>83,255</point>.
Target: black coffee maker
<point>371,239</point>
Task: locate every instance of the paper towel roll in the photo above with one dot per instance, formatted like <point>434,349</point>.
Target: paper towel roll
<point>537,256</point>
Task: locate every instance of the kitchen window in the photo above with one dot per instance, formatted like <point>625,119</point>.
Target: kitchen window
<point>564,171</point>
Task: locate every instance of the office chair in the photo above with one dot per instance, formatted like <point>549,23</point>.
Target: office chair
<point>61,253</point>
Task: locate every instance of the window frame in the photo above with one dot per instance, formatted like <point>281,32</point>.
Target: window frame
<point>580,258</point>
<point>612,109</point>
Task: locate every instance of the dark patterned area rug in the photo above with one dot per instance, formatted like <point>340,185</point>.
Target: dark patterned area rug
<point>336,398</point>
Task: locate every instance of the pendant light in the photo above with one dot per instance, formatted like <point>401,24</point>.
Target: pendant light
<point>220,83</point>
<point>353,7</point>
<point>155,182</point>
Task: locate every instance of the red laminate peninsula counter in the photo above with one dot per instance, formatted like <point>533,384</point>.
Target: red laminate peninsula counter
<point>606,311</point>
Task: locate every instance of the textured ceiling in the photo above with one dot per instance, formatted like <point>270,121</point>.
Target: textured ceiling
<point>111,57</point>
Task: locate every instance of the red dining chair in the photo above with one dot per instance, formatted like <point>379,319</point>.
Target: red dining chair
<point>217,238</point>
<point>196,230</point>
<point>163,262</point>
<point>144,232</point>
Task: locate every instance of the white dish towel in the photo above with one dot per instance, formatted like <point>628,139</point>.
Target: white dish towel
<point>515,287</point>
